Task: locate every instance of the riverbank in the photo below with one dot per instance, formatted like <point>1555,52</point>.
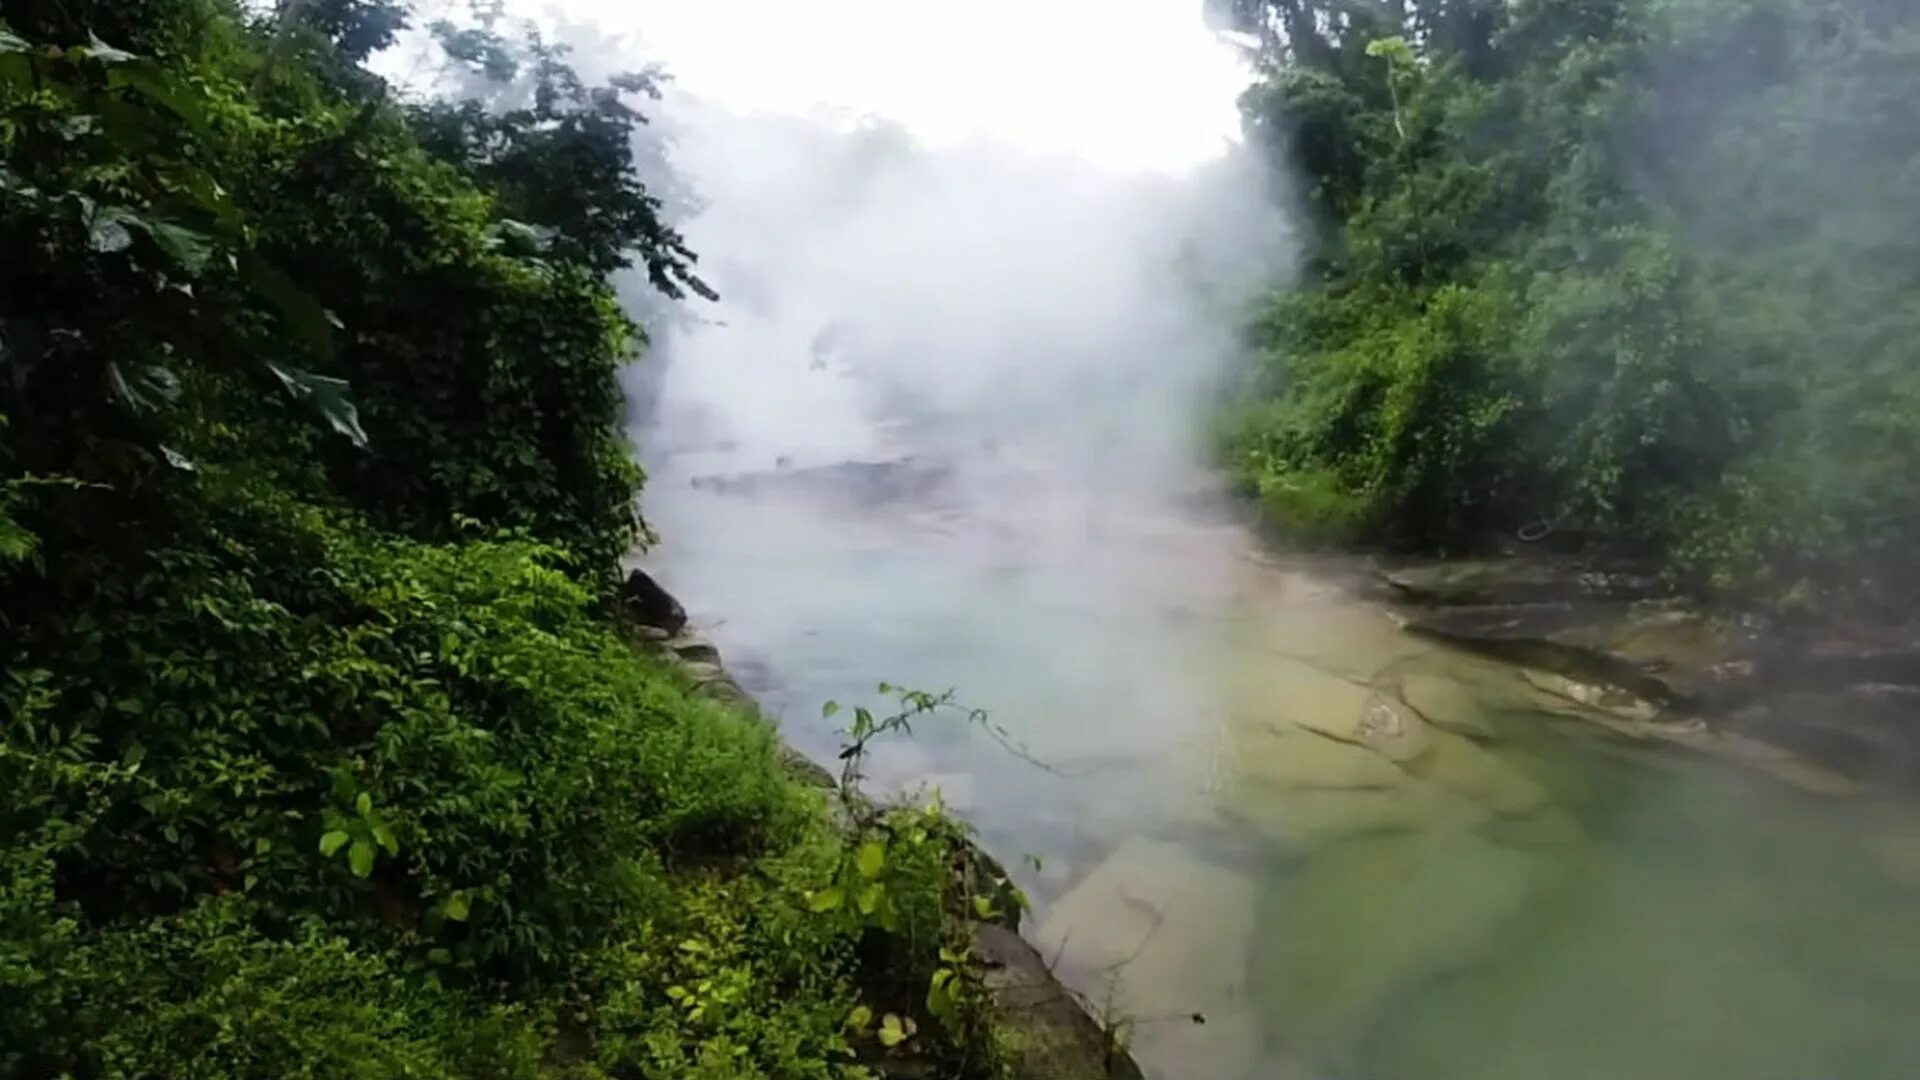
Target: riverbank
<point>1825,705</point>
<point>1278,828</point>
<point>1038,1027</point>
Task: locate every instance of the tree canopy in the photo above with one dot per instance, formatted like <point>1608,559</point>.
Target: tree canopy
<point>1629,272</point>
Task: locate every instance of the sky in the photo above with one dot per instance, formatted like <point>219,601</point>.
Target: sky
<point>1130,84</point>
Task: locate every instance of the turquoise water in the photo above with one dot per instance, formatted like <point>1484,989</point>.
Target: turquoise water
<point>1516,893</point>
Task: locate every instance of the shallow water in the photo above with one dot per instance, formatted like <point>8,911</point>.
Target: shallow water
<point>1222,832</point>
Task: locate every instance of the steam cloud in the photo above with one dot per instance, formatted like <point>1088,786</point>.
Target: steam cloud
<point>977,303</point>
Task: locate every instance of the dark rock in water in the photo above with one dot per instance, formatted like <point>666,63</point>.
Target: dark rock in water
<point>647,604</point>
<point>863,483</point>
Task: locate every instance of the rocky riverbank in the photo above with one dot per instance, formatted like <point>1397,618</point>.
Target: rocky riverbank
<point>1829,707</point>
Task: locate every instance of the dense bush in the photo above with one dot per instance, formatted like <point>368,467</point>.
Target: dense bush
<point>1640,272</point>
<point>320,752</point>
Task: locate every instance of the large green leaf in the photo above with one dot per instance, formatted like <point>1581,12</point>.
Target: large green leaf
<point>327,394</point>
<point>157,83</point>
<point>186,247</point>
<point>301,313</point>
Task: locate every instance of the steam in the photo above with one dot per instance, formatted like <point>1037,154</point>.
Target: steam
<point>882,297</point>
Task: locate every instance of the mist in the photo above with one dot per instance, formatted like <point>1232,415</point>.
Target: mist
<point>976,304</point>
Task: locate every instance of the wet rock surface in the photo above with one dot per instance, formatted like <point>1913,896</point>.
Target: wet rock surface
<point>1159,935</point>
<point>1828,708</point>
<point>1052,1037</point>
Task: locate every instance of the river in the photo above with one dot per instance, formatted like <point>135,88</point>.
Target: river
<point>1497,890</point>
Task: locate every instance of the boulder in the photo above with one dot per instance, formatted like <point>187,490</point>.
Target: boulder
<point>647,604</point>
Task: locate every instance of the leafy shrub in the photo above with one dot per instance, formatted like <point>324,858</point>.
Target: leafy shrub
<point>319,752</point>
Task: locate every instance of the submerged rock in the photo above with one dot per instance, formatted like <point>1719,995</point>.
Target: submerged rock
<point>1290,757</point>
<point>1303,821</point>
<point>1161,936</point>
<point>1447,705</point>
<point>1366,922</point>
<point>1337,708</point>
<point>1467,769</point>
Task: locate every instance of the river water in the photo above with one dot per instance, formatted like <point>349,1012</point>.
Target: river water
<point>1225,853</point>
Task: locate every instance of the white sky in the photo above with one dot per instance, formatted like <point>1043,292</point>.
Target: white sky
<point>1127,83</point>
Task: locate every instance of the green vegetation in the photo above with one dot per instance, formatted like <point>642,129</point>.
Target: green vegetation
<point>1636,272</point>
<point>322,752</point>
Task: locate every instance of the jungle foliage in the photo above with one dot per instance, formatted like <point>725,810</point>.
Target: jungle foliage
<point>1636,273</point>
<point>322,752</point>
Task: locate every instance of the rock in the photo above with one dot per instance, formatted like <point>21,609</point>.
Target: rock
<point>1164,935</point>
<point>1446,704</point>
<point>703,672</point>
<point>1518,581</point>
<point>1467,769</point>
<point>1596,696</point>
<point>806,770</point>
<point>1367,921</point>
<point>693,650</point>
<point>1693,732</point>
<point>1346,711</point>
<point>647,604</point>
<point>725,690</point>
<point>1303,821</point>
<point>1395,732</point>
<point>1051,1035</point>
<point>1331,635</point>
<point>1587,643</point>
<point>1842,699</point>
<point>1290,757</point>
